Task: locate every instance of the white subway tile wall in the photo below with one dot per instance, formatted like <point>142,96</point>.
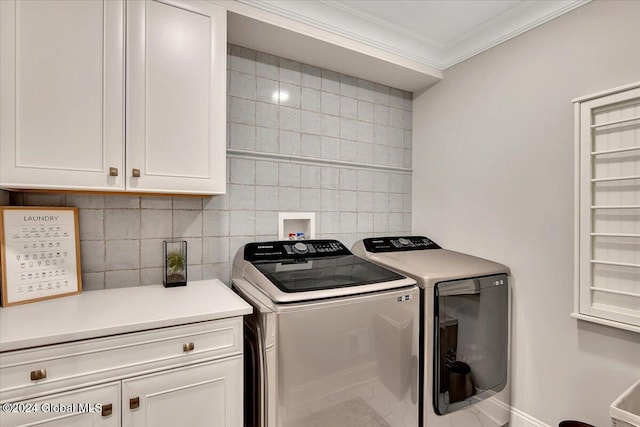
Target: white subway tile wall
<point>274,106</point>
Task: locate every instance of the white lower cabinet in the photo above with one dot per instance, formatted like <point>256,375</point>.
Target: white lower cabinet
<point>188,375</point>
<point>91,406</point>
<point>208,394</point>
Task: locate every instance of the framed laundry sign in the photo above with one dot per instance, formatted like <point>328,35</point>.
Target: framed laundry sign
<point>39,253</point>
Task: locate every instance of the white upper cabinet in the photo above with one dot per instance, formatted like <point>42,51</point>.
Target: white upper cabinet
<point>176,96</point>
<point>62,104</point>
<point>65,82</point>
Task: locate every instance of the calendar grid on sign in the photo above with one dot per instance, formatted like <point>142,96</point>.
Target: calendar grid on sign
<point>39,253</point>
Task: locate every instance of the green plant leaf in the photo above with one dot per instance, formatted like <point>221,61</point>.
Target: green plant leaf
<point>175,261</point>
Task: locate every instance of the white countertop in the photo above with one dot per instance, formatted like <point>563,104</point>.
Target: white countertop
<point>100,313</point>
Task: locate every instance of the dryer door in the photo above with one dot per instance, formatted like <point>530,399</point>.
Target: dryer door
<point>471,341</point>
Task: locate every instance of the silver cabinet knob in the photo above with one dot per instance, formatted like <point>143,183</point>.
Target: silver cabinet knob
<point>135,173</point>
<point>113,171</point>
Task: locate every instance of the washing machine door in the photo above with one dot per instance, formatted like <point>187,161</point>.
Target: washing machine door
<point>348,361</point>
<point>470,341</point>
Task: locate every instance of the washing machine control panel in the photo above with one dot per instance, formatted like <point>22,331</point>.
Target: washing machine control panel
<point>399,244</point>
<point>283,250</point>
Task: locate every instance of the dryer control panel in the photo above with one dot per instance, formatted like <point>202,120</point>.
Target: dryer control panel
<point>399,244</point>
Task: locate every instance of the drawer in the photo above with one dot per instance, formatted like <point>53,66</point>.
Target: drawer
<point>89,406</point>
<point>116,357</point>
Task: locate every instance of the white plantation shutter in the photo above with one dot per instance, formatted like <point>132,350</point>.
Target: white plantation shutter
<point>608,208</point>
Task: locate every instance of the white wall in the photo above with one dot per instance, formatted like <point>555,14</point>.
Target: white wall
<point>493,176</point>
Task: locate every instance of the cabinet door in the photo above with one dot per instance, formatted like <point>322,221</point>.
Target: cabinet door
<point>62,85</point>
<point>86,407</point>
<point>203,395</point>
<point>176,97</point>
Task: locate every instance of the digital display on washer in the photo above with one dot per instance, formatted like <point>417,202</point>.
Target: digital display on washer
<point>324,273</point>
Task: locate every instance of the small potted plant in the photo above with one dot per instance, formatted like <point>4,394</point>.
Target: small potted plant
<point>175,263</point>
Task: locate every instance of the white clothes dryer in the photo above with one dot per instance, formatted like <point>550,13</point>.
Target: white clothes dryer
<point>464,318</point>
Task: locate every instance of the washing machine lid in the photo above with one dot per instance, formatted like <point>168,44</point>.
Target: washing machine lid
<point>426,263</point>
<point>289,271</point>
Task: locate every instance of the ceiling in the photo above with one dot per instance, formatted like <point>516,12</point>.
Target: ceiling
<point>437,33</point>
<point>438,23</point>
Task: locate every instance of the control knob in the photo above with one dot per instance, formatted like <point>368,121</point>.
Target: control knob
<point>300,248</point>
<point>403,241</point>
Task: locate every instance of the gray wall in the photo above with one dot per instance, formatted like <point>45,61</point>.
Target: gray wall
<point>295,155</point>
<point>494,176</point>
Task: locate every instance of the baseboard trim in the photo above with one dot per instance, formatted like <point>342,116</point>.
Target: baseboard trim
<point>521,419</point>
<point>495,410</point>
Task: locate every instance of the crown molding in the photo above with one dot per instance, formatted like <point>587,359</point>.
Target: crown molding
<point>326,17</point>
<point>340,19</point>
<point>278,35</point>
<point>506,26</point>
<point>382,23</point>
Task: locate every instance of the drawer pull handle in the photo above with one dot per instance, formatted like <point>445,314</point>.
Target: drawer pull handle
<point>107,409</point>
<point>134,403</point>
<point>190,346</point>
<point>113,171</point>
<point>38,374</point>
<point>135,173</point>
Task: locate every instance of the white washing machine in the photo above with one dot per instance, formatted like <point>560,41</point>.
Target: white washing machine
<point>465,317</point>
<point>333,339</point>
